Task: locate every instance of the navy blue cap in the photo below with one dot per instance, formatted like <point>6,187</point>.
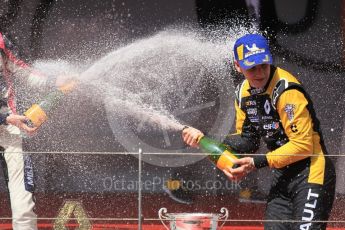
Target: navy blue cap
<point>251,50</point>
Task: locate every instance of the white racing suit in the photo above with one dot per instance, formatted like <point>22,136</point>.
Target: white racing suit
<point>18,172</point>
<point>17,166</point>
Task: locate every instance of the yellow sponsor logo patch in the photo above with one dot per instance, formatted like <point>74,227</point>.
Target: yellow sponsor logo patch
<point>239,51</point>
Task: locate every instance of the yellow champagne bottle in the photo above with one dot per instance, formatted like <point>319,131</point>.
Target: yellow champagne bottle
<point>38,113</point>
<point>219,153</point>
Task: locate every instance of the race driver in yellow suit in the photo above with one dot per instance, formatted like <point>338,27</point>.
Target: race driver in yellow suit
<point>271,104</point>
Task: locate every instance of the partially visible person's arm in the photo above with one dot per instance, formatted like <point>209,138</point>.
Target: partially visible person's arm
<point>18,67</point>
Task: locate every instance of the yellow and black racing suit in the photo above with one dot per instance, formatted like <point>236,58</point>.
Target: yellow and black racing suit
<point>282,115</point>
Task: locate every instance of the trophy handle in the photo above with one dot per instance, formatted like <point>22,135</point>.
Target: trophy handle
<point>162,217</point>
<point>224,216</point>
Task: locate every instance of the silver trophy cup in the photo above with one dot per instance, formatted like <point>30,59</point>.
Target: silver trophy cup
<point>193,221</point>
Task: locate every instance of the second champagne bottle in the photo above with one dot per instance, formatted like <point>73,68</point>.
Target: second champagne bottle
<point>38,113</point>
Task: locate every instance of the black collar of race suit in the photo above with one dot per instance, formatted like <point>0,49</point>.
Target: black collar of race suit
<point>254,91</point>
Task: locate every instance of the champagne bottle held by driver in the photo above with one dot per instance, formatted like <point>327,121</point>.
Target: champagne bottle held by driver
<point>38,113</point>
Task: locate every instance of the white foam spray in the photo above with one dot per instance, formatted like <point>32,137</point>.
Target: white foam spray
<point>154,86</point>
